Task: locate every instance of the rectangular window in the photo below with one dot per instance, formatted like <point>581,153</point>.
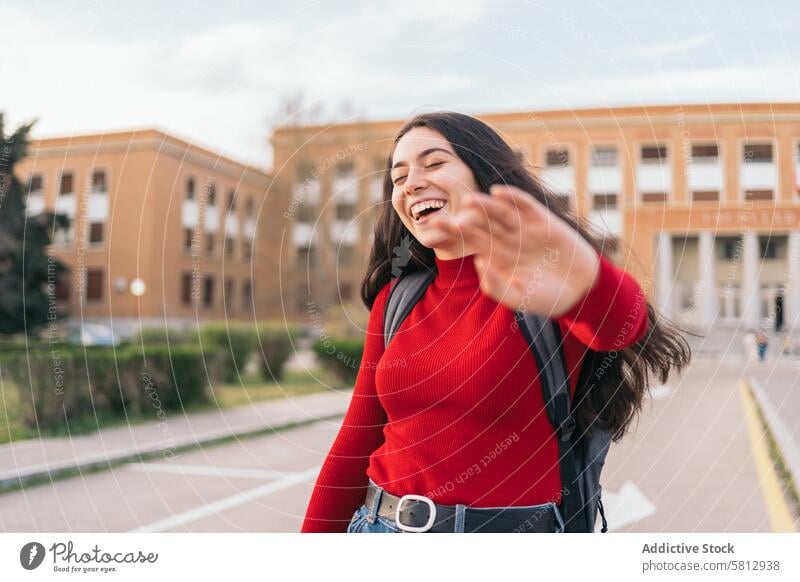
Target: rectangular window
<point>654,197</point>
<point>211,194</point>
<point>705,196</point>
<point>605,201</point>
<point>66,186</point>
<point>62,286</point>
<point>94,284</point>
<point>96,232</point>
<point>770,248</point>
<point>758,195</point>
<point>728,248</point>
<point>190,188</point>
<point>209,244</point>
<point>708,153</point>
<point>345,211</point>
<point>228,293</point>
<point>306,257</point>
<point>345,292</point>
<point>654,155</point>
<point>99,182</point>
<point>557,157</point>
<point>187,239</point>
<point>306,213</point>
<point>186,288</point>
<point>229,248</point>
<point>758,153</point>
<point>208,291</point>
<point>247,250</point>
<point>604,156</point>
<point>249,208</point>
<point>247,295</point>
<point>35,184</point>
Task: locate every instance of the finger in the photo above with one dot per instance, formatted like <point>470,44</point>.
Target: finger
<point>525,202</point>
<point>500,211</point>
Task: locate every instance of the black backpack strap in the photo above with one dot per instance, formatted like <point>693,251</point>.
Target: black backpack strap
<point>544,338</point>
<point>403,296</point>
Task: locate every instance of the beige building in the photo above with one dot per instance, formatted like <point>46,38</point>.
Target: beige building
<point>701,201</point>
<point>161,230</point>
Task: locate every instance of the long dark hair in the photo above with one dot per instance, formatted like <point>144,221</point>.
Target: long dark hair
<point>612,397</point>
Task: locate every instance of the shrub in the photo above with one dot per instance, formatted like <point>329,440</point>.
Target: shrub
<point>71,384</point>
<point>276,343</point>
<point>232,343</point>
<point>342,356</point>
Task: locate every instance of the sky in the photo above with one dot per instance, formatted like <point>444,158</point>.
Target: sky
<point>216,73</point>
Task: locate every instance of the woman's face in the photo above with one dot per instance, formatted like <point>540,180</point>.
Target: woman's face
<point>429,177</point>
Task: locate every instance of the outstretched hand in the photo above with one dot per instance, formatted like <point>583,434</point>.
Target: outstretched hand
<point>527,257</point>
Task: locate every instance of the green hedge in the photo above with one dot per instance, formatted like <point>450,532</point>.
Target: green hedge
<point>228,347</point>
<point>73,384</point>
<point>342,356</point>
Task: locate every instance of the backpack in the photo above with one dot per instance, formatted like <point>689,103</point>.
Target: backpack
<point>581,456</point>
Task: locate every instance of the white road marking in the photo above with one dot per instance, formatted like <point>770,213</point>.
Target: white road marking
<point>628,506</point>
<point>227,503</point>
<point>209,471</point>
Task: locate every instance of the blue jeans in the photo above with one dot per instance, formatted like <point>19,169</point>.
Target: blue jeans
<point>366,519</point>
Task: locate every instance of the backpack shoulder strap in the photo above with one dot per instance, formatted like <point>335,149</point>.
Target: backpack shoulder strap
<point>404,294</point>
<point>544,338</point>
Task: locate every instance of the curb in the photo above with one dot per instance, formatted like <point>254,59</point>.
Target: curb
<point>55,471</point>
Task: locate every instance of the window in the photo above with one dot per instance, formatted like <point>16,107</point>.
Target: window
<point>345,169</point>
<point>654,197</point>
<point>228,293</point>
<point>99,182</point>
<point>94,284</point>
<point>605,201</point>
<point>232,201</point>
<point>209,244</point>
<point>345,211</point>
<point>705,196</point>
<point>62,288</point>
<point>208,291</point>
<point>211,194</point>
<point>653,155</point>
<point>190,188</point>
<point>346,292</point>
<point>306,213</point>
<point>247,294</point>
<point>604,156</point>
<point>35,184</point>
<point>249,208</point>
<point>306,256</point>
<point>729,248</point>
<point>188,239</point>
<point>758,153</point>
<point>557,157</point>
<point>229,242</point>
<point>705,154</point>
<point>758,195</point>
<point>96,232</point>
<point>247,249</point>
<point>770,248</point>
<point>66,186</point>
<point>186,288</point>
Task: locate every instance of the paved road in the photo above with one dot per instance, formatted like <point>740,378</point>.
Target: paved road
<point>687,467</point>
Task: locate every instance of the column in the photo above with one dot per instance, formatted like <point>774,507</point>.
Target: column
<point>664,274</point>
<point>791,295</point>
<point>750,297</point>
<point>707,277</point>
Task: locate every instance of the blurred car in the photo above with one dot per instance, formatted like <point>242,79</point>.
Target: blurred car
<point>93,334</point>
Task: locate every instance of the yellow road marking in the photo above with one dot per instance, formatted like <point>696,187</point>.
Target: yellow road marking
<point>780,516</point>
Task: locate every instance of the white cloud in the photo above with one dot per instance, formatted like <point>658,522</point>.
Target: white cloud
<point>668,49</point>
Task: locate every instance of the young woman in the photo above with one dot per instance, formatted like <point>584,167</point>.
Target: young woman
<point>451,412</point>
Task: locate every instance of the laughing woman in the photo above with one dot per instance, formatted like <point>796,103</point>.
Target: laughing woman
<point>451,413</point>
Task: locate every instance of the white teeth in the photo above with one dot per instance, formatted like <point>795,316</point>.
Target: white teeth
<point>424,205</point>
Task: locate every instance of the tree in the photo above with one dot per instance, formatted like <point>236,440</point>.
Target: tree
<point>24,262</point>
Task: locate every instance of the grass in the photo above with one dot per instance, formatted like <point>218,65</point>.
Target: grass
<point>225,396</point>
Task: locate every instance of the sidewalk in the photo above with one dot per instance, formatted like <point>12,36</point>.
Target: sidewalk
<point>35,460</point>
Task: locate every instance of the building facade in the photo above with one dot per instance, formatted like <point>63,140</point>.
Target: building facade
<point>160,231</point>
<point>700,202</point>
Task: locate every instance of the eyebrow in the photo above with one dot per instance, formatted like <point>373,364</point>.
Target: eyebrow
<point>422,155</point>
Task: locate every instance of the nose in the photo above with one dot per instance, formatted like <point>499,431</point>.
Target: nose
<point>415,181</point>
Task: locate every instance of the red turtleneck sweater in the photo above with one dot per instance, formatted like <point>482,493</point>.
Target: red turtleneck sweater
<point>452,409</point>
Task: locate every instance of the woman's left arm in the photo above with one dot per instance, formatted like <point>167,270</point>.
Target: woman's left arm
<point>530,260</point>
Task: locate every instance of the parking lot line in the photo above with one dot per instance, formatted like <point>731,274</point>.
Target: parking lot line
<point>210,471</point>
<point>228,502</point>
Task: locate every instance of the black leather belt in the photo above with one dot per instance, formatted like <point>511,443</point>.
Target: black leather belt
<point>418,513</point>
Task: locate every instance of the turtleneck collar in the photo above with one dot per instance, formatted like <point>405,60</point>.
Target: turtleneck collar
<point>459,272</point>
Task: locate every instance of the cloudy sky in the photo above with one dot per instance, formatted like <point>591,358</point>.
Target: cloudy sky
<point>216,72</point>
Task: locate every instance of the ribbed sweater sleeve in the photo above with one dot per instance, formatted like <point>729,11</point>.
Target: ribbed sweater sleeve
<point>613,313</point>
<point>342,481</point>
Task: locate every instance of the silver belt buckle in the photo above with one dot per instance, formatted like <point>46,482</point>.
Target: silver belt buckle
<point>411,528</point>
